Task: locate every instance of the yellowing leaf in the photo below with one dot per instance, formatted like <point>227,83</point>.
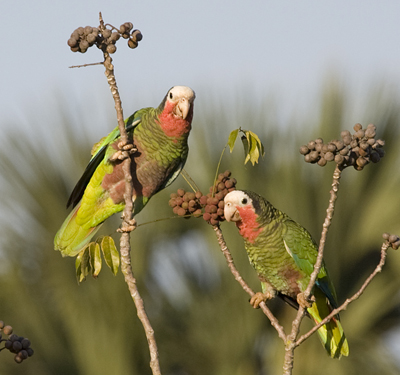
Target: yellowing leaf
<point>82,266</point>
<point>254,147</point>
<point>95,258</point>
<point>254,153</point>
<point>99,239</point>
<point>111,254</point>
<point>246,146</point>
<point>260,145</point>
<point>232,138</point>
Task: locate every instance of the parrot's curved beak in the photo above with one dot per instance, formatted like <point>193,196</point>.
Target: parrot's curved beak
<point>182,108</point>
<point>231,213</point>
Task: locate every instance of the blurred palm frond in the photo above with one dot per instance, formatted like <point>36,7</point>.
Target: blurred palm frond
<point>202,319</point>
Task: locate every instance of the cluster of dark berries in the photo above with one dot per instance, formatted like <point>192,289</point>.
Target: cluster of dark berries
<point>186,203</point>
<point>214,200</point>
<point>84,37</point>
<point>355,150</point>
<point>393,239</point>
<point>18,345</point>
<point>210,206</point>
<point>133,37</point>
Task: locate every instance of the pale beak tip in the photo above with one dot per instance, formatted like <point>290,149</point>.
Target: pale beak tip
<point>184,108</point>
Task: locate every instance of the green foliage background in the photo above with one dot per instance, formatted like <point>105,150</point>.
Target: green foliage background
<point>201,316</point>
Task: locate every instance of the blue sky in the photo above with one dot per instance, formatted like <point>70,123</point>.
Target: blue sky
<point>216,47</point>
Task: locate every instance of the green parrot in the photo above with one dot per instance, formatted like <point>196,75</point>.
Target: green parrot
<point>283,253</point>
<point>160,136</point>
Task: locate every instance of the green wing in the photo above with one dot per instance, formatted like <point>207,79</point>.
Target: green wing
<point>130,124</point>
<point>302,248</point>
<point>174,175</point>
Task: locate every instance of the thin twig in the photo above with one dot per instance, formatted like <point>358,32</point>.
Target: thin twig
<point>240,280</point>
<point>342,307</point>
<point>218,165</point>
<point>163,219</point>
<point>189,180</point>
<point>84,65</point>
<point>325,227</point>
<point>128,223</point>
<point>291,343</point>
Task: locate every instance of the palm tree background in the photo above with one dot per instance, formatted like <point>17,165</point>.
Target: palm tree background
<point>201,316</point>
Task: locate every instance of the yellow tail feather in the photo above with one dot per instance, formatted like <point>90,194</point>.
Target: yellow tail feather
<point>331,334</point>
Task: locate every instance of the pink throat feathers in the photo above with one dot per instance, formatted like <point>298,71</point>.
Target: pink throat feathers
<point>248,226</point>
<point>172,125</point>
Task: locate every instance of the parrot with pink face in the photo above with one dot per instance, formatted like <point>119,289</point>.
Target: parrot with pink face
<point>161,138</point>
<point>283,253</point>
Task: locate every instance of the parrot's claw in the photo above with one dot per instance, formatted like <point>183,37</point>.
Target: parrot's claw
<point>305,304</point>
<point>124,150</point>
<point>260,297</point>
<point>119,155</point>
<point>126,146</point>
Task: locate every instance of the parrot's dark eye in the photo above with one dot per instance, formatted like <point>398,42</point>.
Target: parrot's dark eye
<point>170,95</point>
<point>244,200</point>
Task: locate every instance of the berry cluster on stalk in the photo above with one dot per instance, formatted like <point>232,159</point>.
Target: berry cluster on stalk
<point>186,203</point>
<point>214,204</point>
<point>357,149</point>
<point>104,38</point>
<point>210,206</point>
<point>18,345</point>
<point>393,239</point>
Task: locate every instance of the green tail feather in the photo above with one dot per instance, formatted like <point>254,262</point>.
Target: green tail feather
<point>331,334</point>
<point>72,238</point>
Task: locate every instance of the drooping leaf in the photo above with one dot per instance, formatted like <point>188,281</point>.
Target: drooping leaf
<point>95,258</point>
<point>246,147</point>
<point>252,147</point>
<point>82,264</point>
<point>78,271</point>
<point>254,153</point>
<point>259,143</point>
<point>111,254</point>
<point>232,138</point>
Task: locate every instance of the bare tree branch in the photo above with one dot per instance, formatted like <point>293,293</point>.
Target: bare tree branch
<point>291,339</point>
<point>128,223</point>
<point>342,307</point>
<point>247,289</point>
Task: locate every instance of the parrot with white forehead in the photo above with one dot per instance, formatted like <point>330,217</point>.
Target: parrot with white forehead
<point>283,253</point>
<point>161,138</point>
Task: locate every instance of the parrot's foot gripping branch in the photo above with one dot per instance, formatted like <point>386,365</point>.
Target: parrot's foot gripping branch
<point>260,297</point>
<point>303,302</point>
<point>124,151</point>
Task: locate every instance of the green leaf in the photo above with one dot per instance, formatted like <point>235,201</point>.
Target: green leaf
<point>232,138</point>
<point>260,145</point>
<point>111,254</point>
<point>78,270</point>
<point>246,147</point>
<point>82,264</point>
<point>254,153</point>
<point>253,147</point>
<point>95,258</point>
